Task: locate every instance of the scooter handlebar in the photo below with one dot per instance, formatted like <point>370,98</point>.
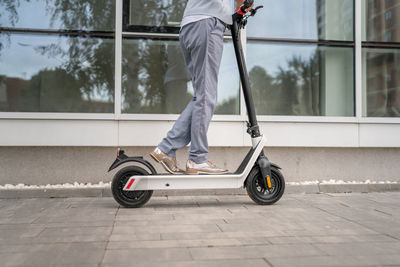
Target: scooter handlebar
<point>246,5</point>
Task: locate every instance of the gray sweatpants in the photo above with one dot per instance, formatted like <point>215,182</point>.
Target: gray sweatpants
<point>202,45</point>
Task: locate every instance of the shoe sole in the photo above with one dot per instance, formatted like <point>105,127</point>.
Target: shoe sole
<point>155,157</point>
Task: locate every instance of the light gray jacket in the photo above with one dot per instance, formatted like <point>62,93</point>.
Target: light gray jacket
<point>217,8</point>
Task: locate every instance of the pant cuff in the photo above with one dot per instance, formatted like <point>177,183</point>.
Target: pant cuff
<point>169,152</point>
<point>197,160</point>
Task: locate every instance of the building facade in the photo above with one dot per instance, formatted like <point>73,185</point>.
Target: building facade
<point>80,78</point>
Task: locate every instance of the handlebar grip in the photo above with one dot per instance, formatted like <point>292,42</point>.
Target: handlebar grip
<point>246,5</point>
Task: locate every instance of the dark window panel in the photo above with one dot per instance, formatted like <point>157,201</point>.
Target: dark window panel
<point>304,19</point>
<point>87,15</point>
<point>381,82</point>
<point>49,73</point>
<point>301,80</point>
<point>381,21</point>
<point>155,12</point>
<point>155,79</point>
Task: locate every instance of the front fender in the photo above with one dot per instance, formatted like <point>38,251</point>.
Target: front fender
<point>276,166</point>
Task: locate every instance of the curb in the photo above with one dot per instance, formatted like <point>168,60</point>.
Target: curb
<point>106,191</point>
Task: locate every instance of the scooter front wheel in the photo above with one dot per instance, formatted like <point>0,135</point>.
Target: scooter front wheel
<point>129,199</point>
<point>261,195</point>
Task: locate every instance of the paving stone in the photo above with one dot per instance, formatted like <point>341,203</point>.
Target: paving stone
<point>330,239</point>
<point>370,248</point>
<point>51,192</point>
<point>248,252</point>
<point>213,263</point>
<point>167,229</point>
<point>302,189</point>
<point>342,229</point>
<point>343,188</point>
<point>76,231</point>
<point>313,261</point>
<point>354,260</point>
<point>175,243</point>
<point>56,254</point>
<point>135,236</point>
<point>141,256</point>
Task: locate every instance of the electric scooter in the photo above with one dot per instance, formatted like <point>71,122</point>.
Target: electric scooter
<point>133,186</point>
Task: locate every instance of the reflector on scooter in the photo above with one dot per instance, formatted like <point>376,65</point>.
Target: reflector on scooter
<point>130,184</point>
<point>269,182</point>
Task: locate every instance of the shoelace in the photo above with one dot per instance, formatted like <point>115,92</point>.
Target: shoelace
<point>212,164</point>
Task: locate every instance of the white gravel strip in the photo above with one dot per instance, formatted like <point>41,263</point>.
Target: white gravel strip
<point>108,184</point>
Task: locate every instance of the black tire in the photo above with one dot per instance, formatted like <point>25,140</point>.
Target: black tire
<point>261,195</point>
<point>129,199</point>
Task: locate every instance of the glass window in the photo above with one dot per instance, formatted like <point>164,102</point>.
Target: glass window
<point>381,82</point>
<point>155,12</point>
<point>155,79</point>
<point>303,19</point>
<point>49,73</point>
<point>381,21</point>
<point>86,15</point>
<point>306,80</point>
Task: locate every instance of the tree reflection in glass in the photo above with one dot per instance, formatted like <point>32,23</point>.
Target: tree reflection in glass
<point>304,19</point>
<point>156,12</point>
<point>155,79</point>
<point>57,73</point>
<point>301,80</point>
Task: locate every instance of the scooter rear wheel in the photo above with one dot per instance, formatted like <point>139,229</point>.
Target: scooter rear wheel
<point>261,195</point>
<point>129,199</point>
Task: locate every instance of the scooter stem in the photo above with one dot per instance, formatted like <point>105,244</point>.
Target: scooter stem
<point>252,127</point>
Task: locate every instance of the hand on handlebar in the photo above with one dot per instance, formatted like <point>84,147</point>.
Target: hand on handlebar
<point>247,9</point>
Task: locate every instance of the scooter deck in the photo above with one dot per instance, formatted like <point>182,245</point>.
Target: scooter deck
<point>198,181</point>
<point>202,174</point>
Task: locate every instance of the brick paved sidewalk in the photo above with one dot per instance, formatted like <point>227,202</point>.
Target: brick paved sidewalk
<point>300,230</point>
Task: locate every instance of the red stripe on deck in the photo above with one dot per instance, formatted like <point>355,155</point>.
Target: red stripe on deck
<point>130,184</point>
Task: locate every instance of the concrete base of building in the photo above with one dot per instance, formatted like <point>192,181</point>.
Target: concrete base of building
<point>106,192</point>
<point>58,165</point>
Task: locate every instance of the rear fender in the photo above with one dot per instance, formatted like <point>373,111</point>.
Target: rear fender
<point>122,159</point>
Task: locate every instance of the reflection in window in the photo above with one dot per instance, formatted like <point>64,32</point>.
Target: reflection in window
<point>155,79</point>
<point>86,15</point>
<point>381,83</point>
<point>306,80</point>
<point>303,19</point>
<point>381,21</point>
<point>48,73</point>
<point>156,12</point>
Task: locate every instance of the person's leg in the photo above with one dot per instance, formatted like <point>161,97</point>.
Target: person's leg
<point>206,46</point>
<point>179,136</point>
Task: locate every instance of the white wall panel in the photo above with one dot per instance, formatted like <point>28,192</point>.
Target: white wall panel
<point>379,135</point>
<point>23,132</point>
<point>311,134</point>
<point>58,133</point>
<point>150,133</point>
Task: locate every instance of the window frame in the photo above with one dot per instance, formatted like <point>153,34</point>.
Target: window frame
<point>121,32</point>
